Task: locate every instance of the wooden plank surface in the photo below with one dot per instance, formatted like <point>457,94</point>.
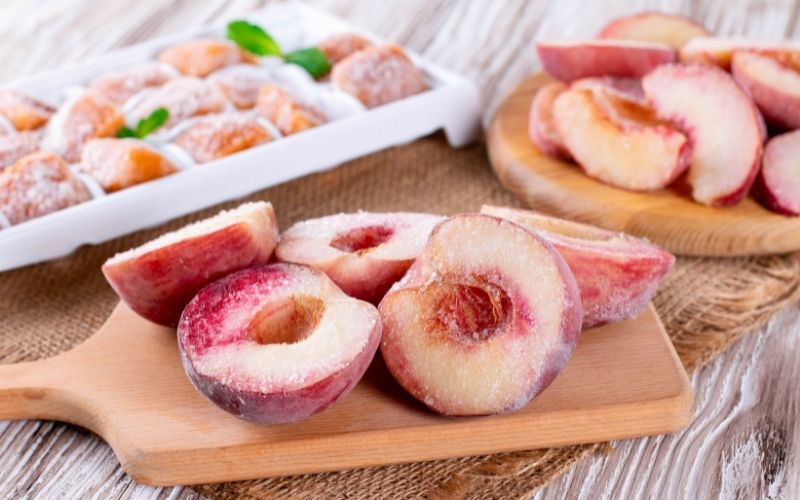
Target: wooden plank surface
<point>745,438</point>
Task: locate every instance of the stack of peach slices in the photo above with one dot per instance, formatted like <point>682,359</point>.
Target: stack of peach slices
<point>475,314</point>
<point>655,97</point>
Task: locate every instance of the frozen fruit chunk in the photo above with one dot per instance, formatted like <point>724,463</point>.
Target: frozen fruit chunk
<point>340,46</point>
<point>287,112</point>
<point>159,278</point>
<point>483,321</point>
<point>216,136</point>
<point>617,142</point>
<point>617,274</point>
<point>37,185</point>
<point>184,98</point>
<point>201,57</point>
<point>654,27</point>
<point>87,116</point>
<point>22,111</point>
<point>364,253</point>
<point>276,343</point>
<point>541,129</point>
<point>119,86</point>
<point>241,84</point>
<point>378,75</point>
<point>121,163</point>
<point>722,122</point>
<point>719,50</point>
<point>778,185</point>
<point>570,61</point>
<point>773,86</point>
<point>15,146</point>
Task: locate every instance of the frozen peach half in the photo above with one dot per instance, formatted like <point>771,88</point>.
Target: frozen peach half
<point>121,163</point>
<point>617,274</point>
<point>159,278</point>
<point>364,253</point>
<point>15,146</point>
<point>570,61</point>
<point>724,125</point>
<point>241,83</point>
<point>287,111</point>
<point>541,128</point>
<point>484,320</point>
<point>276,343</point>
<point>216,136</point>
<point>201,57</point>
<point>618,142</point>
<point>119,86</point>
<point>654,27</point>
<point>774,87</point>
<point>778,184</point>
<point>22,111</point>
<point>339,46</point>
<point>183,97</point>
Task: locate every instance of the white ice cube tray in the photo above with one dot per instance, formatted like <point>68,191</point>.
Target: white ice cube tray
<point>452,103</point>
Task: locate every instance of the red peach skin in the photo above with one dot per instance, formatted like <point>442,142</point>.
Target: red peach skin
<point>719,51</point>
<point>774,87</point>
<point>483,321</point>
<point>724,125</point>
<point>778,185</point>
<point>653,27</point>
<point>159,278</point>
<point>541,128</point>
<point>276,343</point>
<point>364,253</point>
<point>617,274</point>
<point>569,61</point>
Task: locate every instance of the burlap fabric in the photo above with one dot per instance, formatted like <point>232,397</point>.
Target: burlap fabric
<point>705,304</point>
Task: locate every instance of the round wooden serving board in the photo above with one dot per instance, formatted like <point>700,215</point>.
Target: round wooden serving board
<point>666,217</point>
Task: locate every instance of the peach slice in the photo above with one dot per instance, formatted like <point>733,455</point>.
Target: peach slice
<point>337,47</point>
<point>654,27</point>
<point>774,87</point>
<point>217,136</point>
<point>183,97</point>
<point>483,321</point>
<point>37,185</point>
<point>617,274</point>
<point>15,146</point>
<point>541,129</point>
<point>364,253</point>
<point>625,149</point>
<point>289,113</point>
<point>569,61</point>
<point>778,184</point>
<point>724,125</point>
<point>119,86</point>
<point>241,84</point>
<point>159,278</point>
<point>201,57</point>
<point>121,163</point>
<point>276,343</point>
<point>22,111</point>
<point>719,50</point>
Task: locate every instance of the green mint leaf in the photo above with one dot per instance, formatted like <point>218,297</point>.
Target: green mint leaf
<point>311,59</point>
<point>126,132</point>
<point>252,38</point>
<point>150,124</point>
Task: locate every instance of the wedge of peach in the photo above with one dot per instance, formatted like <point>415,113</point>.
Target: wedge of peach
<point>201,57</point>
<point>119,86</point>
<point>724,125</point>
<point>719,50</point>
<point>364,253</point>
<point>219,135</point>
<point>339,46</point>
<point>618,142</point>
<point>276,343</point>
<point>569,61</point>
<point>121,163</point>
<point>774,87</point>
<point>654,27</point>
<point>183,97</point>
<point>15,146</point>
<point>23,111</point>
<point>159,278</point>
<point>483,321</point>
<point>290,113</point>
<point>541,129</point>
<point>617,274</point>
<point>778,186</point>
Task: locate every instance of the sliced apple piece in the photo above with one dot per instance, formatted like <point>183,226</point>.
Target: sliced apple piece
<point>654,27</point>
<point>719,51</point>
<point>276,343</point>
<point>778,184</point>
<point>774,87</point>
<point>541,128</point>
<point>570,61</point>
<point>623,149</point>
<point>159,278</point>
<point>617,274</point>
<point>724,125</point>
<point>484,320</point>
<point>364,253</point>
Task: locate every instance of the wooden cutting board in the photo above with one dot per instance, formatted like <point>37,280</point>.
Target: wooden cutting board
<point>126,384</point>
<point>666,217</point>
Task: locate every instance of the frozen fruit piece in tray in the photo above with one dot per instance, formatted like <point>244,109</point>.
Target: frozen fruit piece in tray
<point>340,46</point>
<point>286,111</point>
<point>183,97</point>
<point>215,136</point>
<point>241,83</point>
<point>120,163</point>
<point>23,112</point>
<point>119,86</point>
<point>15,146</point>
<point>201,57</point>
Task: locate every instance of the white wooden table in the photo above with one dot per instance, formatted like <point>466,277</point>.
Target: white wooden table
<point>745,439</point>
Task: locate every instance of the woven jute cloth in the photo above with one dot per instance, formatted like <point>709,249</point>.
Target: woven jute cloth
<point>705,304</point>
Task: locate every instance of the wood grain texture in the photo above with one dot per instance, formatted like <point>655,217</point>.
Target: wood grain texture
<point>492,43</point>
<point>666,217</point>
